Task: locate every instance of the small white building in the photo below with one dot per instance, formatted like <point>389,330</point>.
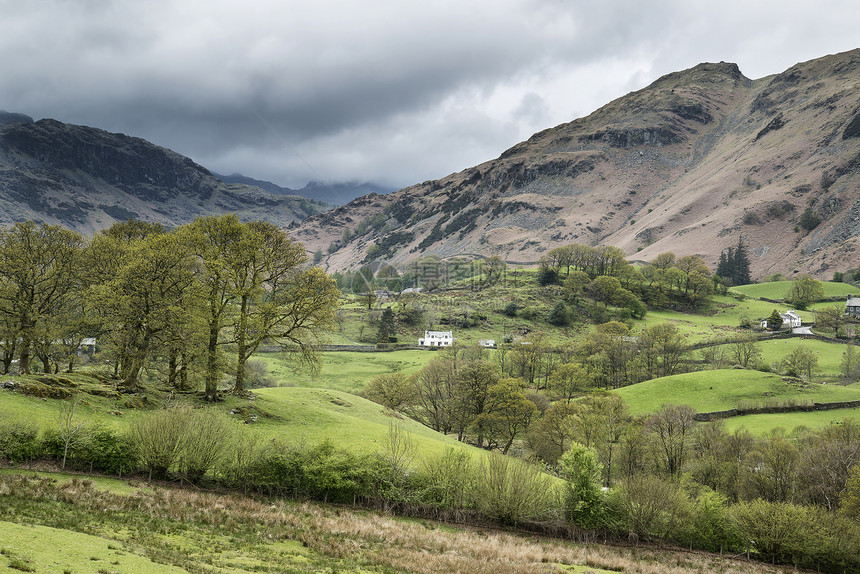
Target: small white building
<point>852,307</point>
<point>488,343</point>
<point>790,320</point>
<point>437,339</point>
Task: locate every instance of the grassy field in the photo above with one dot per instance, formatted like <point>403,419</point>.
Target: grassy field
<point>77,526</point>
<point>829,354</point>
<point>779,289</point>
<point>764,423</point>
<point>720,318</point>
<point>346,371</point>
<point>723,389</point>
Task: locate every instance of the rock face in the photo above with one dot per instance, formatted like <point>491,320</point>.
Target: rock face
<point>688,164</point>
<point>86,179</point>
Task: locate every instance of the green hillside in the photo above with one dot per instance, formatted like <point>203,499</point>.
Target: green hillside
<point>307,415</point>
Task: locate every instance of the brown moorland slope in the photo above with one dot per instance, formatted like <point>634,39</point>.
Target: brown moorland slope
<point>688,164</point>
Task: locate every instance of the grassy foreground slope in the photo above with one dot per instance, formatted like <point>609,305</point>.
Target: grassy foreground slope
<point>174,530</point>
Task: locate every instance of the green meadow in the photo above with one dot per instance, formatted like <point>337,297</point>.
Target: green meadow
<point>723,389</point>
<point>762,424</point>
<point>779,289</point>
<point>347,371</point>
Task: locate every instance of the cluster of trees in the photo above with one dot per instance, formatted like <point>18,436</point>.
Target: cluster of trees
<point>462,392</point>
<point>181,298</point>
<point>734,265</point>
<point>603,274</point>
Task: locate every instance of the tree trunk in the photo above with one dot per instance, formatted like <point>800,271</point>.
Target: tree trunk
<point>183,372</point>
<point>241,345</point>
<point>212,362</point>
<point>171,367</point>
<point>24,358</point>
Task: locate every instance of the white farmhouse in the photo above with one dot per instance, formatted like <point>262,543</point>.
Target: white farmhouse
<point>852,307</point>
<point>437,339</point>
<point>790,320</point>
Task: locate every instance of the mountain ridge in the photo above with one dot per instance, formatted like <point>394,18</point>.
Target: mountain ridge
<point>687,164</point>
<point>86,179</point>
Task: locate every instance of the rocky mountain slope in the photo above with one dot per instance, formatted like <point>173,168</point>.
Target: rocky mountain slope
<point>86,179</point>
<point>687,164</point>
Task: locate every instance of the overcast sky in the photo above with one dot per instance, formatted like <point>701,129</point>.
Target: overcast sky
<point>391,92</point>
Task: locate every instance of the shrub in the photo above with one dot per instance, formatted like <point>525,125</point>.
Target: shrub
<point>513,491</point>
<point>206,435</point>
<point>19,441</point>
<point>157,438</point>
<point>584,504</point>
<point>809,220</point>
<point>448,479</point>
<point>559,316</point>
<point>510,309</point>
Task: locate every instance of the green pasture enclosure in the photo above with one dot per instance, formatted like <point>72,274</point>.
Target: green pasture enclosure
<point>762,424</point>
<point>829,354</point>
<point>779,289</point>
<point>723,389</point>
<point>347,371</point>
<point>720,318</point>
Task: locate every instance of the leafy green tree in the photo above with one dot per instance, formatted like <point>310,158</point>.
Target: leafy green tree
<point>569,380</point>
<point>809,220</point>
<point>604,289</point>
<point>507,412</point>
<point>217,242</point>
<point>585,502</point>
<point>550,436</point>
<point>387,326</point>
<point>830,318</point>
<point>804,291</point>
<point>800,362</point>
<point>559,315</point>
<point>435,395</point>
<point>395,391</point>
<point>661,349</point>
<point>474,381</point>
<point>573,285</point>
<point>278,298</point>
<point>38,270</point>
<point>774,321</point>
<point>146,299</point>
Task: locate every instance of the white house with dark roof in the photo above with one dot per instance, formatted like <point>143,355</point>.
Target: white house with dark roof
<point>790,320</point>
<point>852,307</point>
<point>437,339</point>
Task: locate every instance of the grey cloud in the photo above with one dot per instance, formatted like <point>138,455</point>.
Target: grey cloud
<point>389,92</point>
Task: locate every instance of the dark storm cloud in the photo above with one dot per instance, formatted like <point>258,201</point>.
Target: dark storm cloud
<point>384,91</point>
